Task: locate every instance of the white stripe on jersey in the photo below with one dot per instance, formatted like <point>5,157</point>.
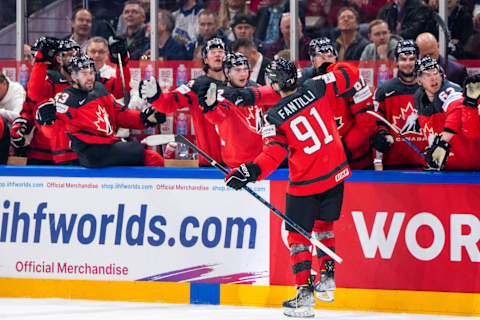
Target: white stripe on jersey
<point>454,96</point>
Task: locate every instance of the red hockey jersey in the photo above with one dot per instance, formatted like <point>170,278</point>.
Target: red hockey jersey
<point>395,103</point>
<point>303,124</point>
<point>94,116</point>
<point>44,84</point>
<point>185,96</point>
<point>444,114</point>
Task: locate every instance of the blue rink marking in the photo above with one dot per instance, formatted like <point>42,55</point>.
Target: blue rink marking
<point>204,293</point>
<point>426,177</point>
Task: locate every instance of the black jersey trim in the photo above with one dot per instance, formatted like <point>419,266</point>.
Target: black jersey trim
<point>364,110</point>
<point>57,152</point>
<point>449,130</point>
<point>175,96</point>
<point>190,102</point>
<point>321,178</point>
<point>346,76</point>
<point>283,145</point>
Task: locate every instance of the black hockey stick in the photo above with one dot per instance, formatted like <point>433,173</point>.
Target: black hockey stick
<point>396,131</point>
<point>158,139</point>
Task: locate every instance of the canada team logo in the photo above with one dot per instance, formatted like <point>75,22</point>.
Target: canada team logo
<point>407,120</point>
<point>103,121</point>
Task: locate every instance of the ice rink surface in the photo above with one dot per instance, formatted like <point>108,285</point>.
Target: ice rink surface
<point>58,309</point>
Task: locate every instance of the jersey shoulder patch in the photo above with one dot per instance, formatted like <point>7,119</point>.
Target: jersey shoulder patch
<point>269,131</point>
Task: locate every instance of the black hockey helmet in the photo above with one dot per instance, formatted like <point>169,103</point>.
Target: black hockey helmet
<point>426,63</point>
<point>233,60</point>
<point>321,45</point>
<point>213,43</point>
<point>67,45</point>
<point>406,47</point>
<point>80,62</point>
<point>284,73</point>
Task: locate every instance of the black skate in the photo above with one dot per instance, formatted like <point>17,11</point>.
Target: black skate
<point>326,285</point>
<point>302,305</point>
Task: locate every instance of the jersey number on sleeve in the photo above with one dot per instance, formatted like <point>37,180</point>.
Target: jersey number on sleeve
<point>310,132</point>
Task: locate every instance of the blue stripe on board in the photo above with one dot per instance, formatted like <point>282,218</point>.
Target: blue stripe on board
<point>204,293</point>
<point>212,173</point>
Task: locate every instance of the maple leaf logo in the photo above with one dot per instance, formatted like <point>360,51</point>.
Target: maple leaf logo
<point>339,122</point>
<point>429,133</point>
<point>251,120</point>
<point>103,121</point>
<point>407,120</point>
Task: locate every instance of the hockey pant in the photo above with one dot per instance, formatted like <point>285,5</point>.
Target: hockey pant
<point>4,141</point>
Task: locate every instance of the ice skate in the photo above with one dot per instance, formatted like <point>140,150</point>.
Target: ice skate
<point>326,285</point>
<point>302,305</point>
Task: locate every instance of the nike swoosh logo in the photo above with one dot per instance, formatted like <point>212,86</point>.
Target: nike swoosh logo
<point>63,80</point>
<point>82,101</point>
<point>388,94</point>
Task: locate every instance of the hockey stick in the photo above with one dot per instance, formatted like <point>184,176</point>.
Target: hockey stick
<point>162,139</point>
<point>126,95</point>
<point>396,131</point>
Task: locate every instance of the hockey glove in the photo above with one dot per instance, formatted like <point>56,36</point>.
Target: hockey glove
<point>207,97</point>
<point>239,96</point>
<point>46,48</point>
<point>149,90</point>
<point>323,68</point>
<point>20,128</point>
<point>471,87</point>
<point>118,45</point>
<point>239,177</point>
<point>383,141</point>
<point>46,113</point>
<point>151,117</point>
<point>437,153</point>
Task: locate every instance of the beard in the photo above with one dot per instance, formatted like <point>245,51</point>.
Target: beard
<point>404,75</point>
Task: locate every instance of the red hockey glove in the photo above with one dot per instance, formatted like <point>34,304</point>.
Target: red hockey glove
<point>239,177</point>
<point>20,128</point>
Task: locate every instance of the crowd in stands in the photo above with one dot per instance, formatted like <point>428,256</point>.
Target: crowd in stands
<point>359,30</point>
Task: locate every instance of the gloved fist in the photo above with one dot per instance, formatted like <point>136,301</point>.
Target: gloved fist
<point>239,177</point>
<point>151,117</point>
<point>323,68</point>
<point>437,154</point>
<point>149,90</point>
<point>471,87</point>
<point>207,97</point>
<point>20,128</point>
<point>118,45</point>
<point>46,48</point>
<point>46,113</point>
<point>239,96</point>
<point>383,141</point>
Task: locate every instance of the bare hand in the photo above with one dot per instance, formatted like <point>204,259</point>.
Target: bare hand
<point>382,51</point>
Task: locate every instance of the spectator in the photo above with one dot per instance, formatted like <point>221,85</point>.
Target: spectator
<point>81,27</point>
<point>168,47</point>
<point>256,60</point>
<point>367,10</point>
<point>269,17</point>
<point>186,23</point>
<point>208,28</point>
<point>408,18</point>
<point>383,44</point>
<point>350,43</point>
<point>429,46</point>
<point>12,96</point>
<point>227,12</point>
<point>244,26</point>
<point>135,32</point>
<point>284,41</point>
<point>27,54</point>
<point>97,49</point>
<point>460,24</point>
<point>285,54</point>
<point>122,27</point>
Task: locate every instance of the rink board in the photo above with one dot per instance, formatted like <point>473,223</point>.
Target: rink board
<point>410,240</point>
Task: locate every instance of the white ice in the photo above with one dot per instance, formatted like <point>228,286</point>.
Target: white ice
<point>59,309</point>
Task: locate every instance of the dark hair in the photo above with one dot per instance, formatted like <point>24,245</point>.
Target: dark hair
<point>74,13</point>
<point>353,10</point>
<point>243,42</point>
<point>3,78</point>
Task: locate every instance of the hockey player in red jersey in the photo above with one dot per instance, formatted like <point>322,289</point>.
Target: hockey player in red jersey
<point>302,122</point>
<point>356,127</point>
<point>45,83</point>
<point>186,96</point>
<point>394,99</point>
<point>439,106</point>
<point>91,116</point>
<point>238,127</point>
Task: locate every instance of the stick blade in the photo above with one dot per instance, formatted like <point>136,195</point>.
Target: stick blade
<point>158,139</point>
